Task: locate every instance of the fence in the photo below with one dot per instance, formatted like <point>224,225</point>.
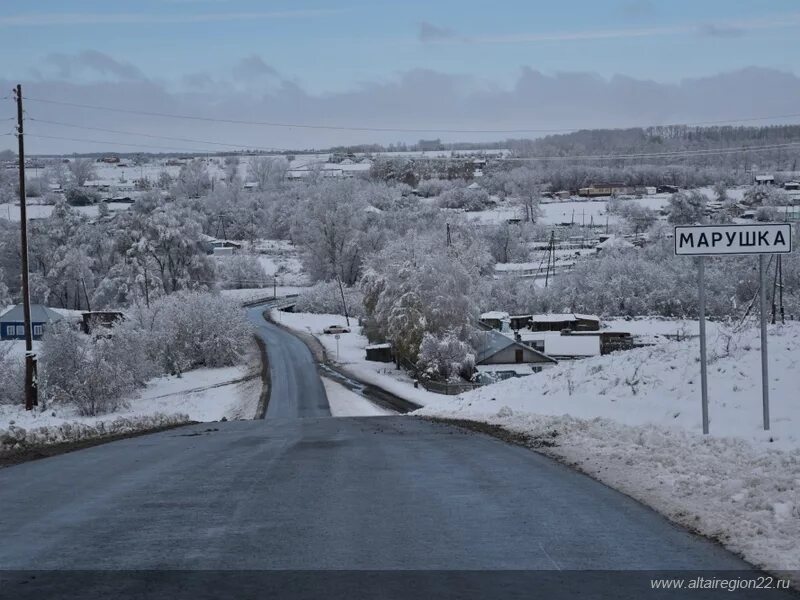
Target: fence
<point>450,389</point>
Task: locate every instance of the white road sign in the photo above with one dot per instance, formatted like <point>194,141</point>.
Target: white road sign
<point>709,240</point>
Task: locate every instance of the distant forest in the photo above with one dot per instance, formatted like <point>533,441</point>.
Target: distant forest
<point>651,140</point>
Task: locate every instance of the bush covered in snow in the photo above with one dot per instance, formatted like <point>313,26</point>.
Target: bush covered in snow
<point>88,373</point>
<point>325,297</point>
<point>12,375</point>
<point>465,198</point>
<point>191,329</point>
<point>445,357</point>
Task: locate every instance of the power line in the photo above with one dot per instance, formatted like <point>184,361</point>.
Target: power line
<point>152,136</point>
<point>387,129</point>
<point>108,143</point>
<point>293,125</point>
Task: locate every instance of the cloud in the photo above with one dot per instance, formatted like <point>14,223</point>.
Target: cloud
<point>68,65</point>
<point>723,31</point>
<point>415,100</point>
<point>253,67</point>
<point>428,32</point>
<point>730,28</point>
<point>637,8</point>
<point>69,19</point>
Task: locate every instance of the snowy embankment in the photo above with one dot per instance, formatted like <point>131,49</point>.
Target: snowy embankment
<point>633,421</point>
<point>350,353</point>
<point>346,403</point>
<point>198,395</point>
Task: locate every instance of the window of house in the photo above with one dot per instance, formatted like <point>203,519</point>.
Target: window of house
<point>20,330</point>
<point>37,330</point>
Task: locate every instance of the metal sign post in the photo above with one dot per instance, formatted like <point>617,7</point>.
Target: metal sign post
<point>701,296</point>
<point>762,282</point>
<point>721,240</point>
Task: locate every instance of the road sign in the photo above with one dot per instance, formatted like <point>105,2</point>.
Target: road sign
<point>720,240</point>
<point>712,240</point>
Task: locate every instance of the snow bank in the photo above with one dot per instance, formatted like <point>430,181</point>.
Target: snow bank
<point>661,385</point>
<point>18,438</point>
<point>632,420</point>
<point>346,403</point>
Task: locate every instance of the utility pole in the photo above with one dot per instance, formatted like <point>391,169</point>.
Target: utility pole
<point>31,395</point>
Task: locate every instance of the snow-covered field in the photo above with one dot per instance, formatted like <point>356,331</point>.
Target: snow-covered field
<point>351,355</point>
<point>633,420</point>
<point>581,212</point>
<point>42,211</point>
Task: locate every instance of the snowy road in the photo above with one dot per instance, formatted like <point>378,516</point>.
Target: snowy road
<point>296,388</point>
<point>377,493</point>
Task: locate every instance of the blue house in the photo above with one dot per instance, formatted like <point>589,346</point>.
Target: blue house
<point>12,323</point>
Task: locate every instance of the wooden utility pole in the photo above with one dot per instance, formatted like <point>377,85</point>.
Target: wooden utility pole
<point>31,395</point>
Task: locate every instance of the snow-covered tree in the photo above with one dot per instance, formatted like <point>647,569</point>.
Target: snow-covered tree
<point>5,296</point>
<point>332,218</point>
<point>12,375</point>
<point>242,271</point>
<point>686,208</point>
<point>445,357</point>
<point>193,179</point>
<point>507,243</point>
<point>325,297</point>
<point>418,284</point>
<point>526,185</point>
<point>81,170</point>
<point>267,171</point>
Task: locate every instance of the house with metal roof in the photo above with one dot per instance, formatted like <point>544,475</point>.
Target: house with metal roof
<point>12,323</point>
<point>501,357</point>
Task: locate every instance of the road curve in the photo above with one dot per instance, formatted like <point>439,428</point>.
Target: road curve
<point>296,391</point>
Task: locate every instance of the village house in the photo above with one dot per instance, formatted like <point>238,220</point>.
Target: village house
<point>502,357</point>
<point>764,180</point>
<point>559,322</point>
<point>12,323</point>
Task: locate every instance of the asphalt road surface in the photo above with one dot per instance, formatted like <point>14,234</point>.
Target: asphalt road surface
<point>296,389</point>
<point>320,493</point>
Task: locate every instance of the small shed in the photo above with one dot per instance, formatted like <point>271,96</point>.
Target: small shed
<point>494,319</point>
<point>380,352</point>
<point>97,321</point>
<point>12,323</point>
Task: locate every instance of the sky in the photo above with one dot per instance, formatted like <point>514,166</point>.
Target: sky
<point>508,68</point>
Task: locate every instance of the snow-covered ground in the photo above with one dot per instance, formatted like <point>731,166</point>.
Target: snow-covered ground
<point>581,212</point>
<point>633,420</point>
<point>351,354</point>
<point>198,395</point>
<point>346,403</point>
<point>42,211</point>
